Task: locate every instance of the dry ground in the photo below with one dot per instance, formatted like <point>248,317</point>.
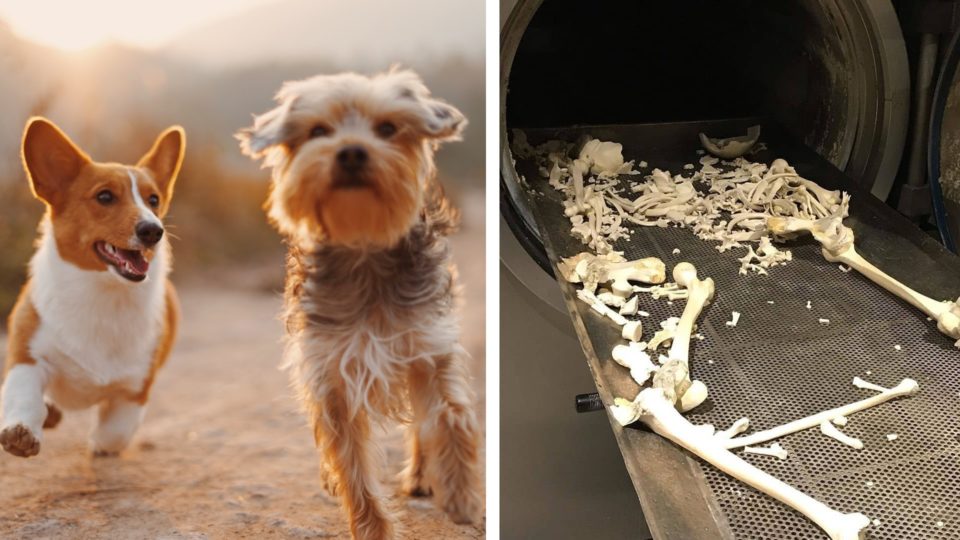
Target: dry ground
<point>224,451</point>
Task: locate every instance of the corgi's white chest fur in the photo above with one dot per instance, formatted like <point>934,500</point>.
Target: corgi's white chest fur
<point>97,333</point>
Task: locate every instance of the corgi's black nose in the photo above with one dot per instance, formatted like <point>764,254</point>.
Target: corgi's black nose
<point>352,158</point>
<point>149,233</point>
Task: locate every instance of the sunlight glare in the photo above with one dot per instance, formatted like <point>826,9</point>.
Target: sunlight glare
<point>79,25</point>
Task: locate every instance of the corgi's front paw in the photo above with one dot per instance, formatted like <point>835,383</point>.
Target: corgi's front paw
<point>19,441</point>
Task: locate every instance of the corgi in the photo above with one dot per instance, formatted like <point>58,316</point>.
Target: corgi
<point>97,317</point>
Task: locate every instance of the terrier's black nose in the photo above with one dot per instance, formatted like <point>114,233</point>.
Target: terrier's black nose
<point>149,233</point>
<point>352,158</point>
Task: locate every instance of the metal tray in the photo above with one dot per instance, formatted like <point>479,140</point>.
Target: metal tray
<point>779,363</point>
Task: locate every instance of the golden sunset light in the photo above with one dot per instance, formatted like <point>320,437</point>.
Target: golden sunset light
<point>74,26</point>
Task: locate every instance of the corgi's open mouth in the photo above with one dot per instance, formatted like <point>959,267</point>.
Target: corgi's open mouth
<point>129,263</point>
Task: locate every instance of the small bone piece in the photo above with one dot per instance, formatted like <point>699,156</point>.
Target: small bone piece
<point>774,450</point>
<point>891,436</point>
<point>906,387</point>
<point>734,318</point>
<point>837,245</point>
<point>630,306</point>
<point>731,147</point>
<point>831,431</point>
<point>601,308</point>
<point>824,321</point>
<point>634,358</point>
<point>658,412</point>
<point>632,331</point>
<point>865,385</point>
<point>735,429</point>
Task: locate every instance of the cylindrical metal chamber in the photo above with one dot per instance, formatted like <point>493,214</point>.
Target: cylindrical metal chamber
<point>833,73</point>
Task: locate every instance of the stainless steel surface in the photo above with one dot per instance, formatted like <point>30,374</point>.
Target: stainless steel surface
<point>923,91</point>
<point>779,363</point>
<point>561,475</point>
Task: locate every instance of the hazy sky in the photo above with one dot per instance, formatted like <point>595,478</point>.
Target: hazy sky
<point>77,24</point>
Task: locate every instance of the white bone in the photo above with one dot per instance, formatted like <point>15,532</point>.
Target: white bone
<point>634,358</point>
<point>837,245</point>
<point>661,337</point>
<point>891,436</point>
<point>694,396</point>
<point>630,306</point>
<point>839,421</point>
<point>658,412</point>
<point>731,147</point>
<point>610,299</point>
<point>735,429</point>
<point>860,383</point>
<point>774,450</point>
<point>831,431</point>
<point>734,319</point>
<point>905,388</point>
<point>600,307</point>
<point>632,331</point>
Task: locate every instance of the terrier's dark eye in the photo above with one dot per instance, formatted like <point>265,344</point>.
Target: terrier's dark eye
<point>154,201</point>
<point>105,197</point>
<point>386,129</point>
<point>319,131</point>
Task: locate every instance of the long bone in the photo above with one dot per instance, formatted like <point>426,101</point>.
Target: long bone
<point>658,412</point>
<point>674,376</point>
<point>837,245</point>
<point>905,388</point>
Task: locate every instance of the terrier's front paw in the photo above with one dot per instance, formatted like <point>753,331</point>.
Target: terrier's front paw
<point>329,480</point>
<point>19,441</point>
<point>464,507</point>
<point>413,483</point>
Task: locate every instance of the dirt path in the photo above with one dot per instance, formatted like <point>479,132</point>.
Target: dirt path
<point>224,452</point>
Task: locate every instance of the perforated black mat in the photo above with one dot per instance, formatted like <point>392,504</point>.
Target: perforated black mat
<point>780,363</point>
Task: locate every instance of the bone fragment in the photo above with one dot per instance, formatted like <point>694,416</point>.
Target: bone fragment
<point>774,450</point>
<point>831,431</point>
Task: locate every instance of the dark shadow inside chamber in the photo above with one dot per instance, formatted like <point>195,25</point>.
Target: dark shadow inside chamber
<point>581,63</point>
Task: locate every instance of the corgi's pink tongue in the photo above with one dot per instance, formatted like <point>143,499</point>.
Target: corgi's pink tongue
<point>133,261</point>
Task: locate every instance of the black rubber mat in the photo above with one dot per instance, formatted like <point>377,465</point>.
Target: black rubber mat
<point>780,363</point>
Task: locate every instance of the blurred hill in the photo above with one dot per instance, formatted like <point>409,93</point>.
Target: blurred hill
<point>113,100</point>
<point>335,30</point>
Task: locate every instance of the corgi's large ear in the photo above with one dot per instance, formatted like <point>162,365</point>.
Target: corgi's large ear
<point>51,159</point>
<point>164,159</point>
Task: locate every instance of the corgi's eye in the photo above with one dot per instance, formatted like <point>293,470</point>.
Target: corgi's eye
<point>319,131</point>
<point>154,201</point>
<point>105,197</point>
<point>386,129</point>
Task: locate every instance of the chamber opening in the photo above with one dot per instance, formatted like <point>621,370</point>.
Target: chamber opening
<point>640,62</point>
<point>818,68</point>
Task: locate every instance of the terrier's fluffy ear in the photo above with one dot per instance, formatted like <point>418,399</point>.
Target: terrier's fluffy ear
<point>269,129</point>
<point>442,121</point>
<point>438,119</point>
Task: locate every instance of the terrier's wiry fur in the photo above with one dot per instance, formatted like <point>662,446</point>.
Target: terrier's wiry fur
<point>371,329</point>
